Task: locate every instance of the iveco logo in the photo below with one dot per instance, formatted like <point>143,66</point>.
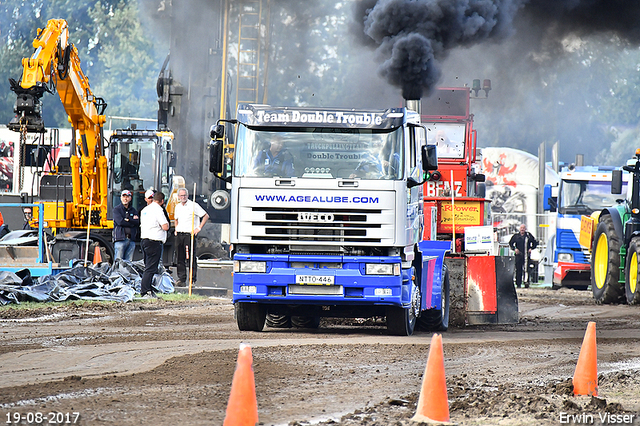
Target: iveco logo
<point>315,217</point>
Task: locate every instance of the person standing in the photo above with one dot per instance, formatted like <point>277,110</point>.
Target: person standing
<point>28,216</point>
<point>126,222</point>
<point>189,217</point>
<point>522,243</point>
<point>148,197</point>
<point>153,231</point>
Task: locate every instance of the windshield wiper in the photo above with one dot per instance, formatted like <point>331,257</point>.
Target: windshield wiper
<point>577,209</point>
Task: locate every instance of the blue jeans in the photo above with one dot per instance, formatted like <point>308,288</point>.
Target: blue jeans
<point>124,249</point>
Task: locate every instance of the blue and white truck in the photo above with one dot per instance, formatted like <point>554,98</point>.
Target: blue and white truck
<point>329,223</point>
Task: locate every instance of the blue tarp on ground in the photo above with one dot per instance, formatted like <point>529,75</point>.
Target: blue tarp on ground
<point>118,282</point>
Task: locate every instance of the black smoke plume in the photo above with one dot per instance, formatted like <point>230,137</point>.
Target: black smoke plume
<point>413,37</point>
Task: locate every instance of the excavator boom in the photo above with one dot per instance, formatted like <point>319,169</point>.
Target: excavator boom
<point>53,67</point>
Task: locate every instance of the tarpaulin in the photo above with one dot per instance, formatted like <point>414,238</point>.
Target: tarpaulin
<point>118,282</point>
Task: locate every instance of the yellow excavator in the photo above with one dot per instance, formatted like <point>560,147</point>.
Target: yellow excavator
<point>79,194</point>
<point>53,67</point>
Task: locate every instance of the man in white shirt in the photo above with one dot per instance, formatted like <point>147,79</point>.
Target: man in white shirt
<point>153,231</point>
<point>189,217</point>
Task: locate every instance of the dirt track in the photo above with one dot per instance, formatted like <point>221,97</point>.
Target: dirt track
<point>165,363</point>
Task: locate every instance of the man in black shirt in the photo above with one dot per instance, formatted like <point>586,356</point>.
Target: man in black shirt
<point>522,243</point>
<point>125,230</point>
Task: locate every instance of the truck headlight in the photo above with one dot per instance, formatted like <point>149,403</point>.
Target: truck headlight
<point>249,266</point>
<point>382,269</point>
<point>565,257</point>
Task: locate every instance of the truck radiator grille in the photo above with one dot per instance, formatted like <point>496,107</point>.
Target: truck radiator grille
<point>314,225</point>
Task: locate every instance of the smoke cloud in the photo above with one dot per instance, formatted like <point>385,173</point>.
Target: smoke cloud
<point>413,37</point>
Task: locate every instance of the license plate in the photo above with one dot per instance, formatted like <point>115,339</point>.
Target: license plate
<point>315,279</point>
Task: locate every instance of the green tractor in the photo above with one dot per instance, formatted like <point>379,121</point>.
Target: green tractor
<point>615,256</point>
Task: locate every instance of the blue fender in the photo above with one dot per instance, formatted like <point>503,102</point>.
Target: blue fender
<point>429,265</point>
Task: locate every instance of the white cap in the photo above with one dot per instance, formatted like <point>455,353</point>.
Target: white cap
<point>149,193</point>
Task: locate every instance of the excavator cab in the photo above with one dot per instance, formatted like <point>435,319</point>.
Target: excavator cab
<point>140,159</point>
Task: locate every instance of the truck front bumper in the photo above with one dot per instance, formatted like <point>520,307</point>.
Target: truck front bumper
<point>321,280</point>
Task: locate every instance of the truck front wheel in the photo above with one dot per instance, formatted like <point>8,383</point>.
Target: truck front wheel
<point>402,321</point>
<point>631,276</point>
<point>605,263</point>
<point>250,316</point>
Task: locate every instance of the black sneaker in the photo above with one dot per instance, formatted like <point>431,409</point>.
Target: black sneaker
<point>181,284</point>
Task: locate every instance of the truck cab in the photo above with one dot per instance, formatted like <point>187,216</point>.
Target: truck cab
<point>327,214</point>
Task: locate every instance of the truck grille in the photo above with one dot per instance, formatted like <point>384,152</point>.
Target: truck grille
<point>310,225</point>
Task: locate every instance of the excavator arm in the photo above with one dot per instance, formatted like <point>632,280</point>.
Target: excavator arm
<point>55,67</point>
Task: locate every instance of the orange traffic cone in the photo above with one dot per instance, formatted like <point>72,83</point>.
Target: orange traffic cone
<point>433,404</point>
<point>97,255</point>
<point>585,378</point>
<point>242,409</point>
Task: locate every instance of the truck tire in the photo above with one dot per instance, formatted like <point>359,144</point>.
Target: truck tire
<point>305,322</point>
<point>278,321</point>
<point>605,263</point>
<point>250,316</point>
<point>401,321</point>
<point>632,292</point>
<point>437,319</point>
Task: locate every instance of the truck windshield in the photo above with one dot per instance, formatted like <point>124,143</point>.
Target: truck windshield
<point>319,153</point>
<point>585,197</point>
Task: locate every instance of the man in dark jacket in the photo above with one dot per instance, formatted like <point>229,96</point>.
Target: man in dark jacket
<point>126,223</point>
<point>522,243</point>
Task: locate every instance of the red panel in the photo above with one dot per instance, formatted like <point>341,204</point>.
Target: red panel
<point>481,284</point>
<point>565,267</point>
<point>442,188</point>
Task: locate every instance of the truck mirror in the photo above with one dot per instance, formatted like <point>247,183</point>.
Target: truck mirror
<point>616,182</point>
<point>549,203</point>
<point>215,156</point>
<point>429,157</point>
<point>216,131</point>
<point>172,159</point>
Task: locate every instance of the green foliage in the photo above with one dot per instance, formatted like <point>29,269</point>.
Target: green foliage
<point>117,55</point>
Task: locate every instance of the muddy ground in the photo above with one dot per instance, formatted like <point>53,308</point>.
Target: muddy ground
<point>167,363</point>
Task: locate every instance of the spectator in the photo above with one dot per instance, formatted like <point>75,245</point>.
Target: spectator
<point>28,216</point>
<point>522,243</point>
<point>189,218</point>
<point>125,231</point>
<point>153,230</point>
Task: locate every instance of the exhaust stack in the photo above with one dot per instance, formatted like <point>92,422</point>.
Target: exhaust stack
<point>413,105</point>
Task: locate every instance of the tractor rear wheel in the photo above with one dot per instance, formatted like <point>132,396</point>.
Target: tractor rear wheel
<point>631,285</point>
<point>278,321</point>
<point>605,263</point>
<point>305,322</point>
